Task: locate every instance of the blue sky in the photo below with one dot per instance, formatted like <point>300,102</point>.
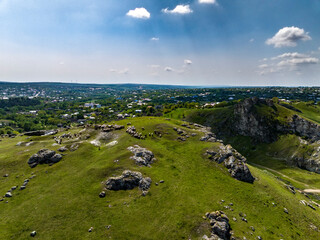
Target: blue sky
<point>195,42</point>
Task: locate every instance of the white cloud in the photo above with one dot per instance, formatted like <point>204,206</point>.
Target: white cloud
<point>141,13</point>
<point>154,66</point>
<point>251,40</point>
<point>288,37</point>
<point>154,39</point>
<point>290,55</point>
<point>168,69</point>
<point>187,62</point>
<point>298,61</point>
<point>262,66</point>
<point>179,9</point>
<point>122,71</point>
<point>287,62</point>
<point>209,1</point>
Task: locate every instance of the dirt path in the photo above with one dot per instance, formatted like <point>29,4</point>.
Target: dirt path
<point>311,190</point>
<point>307,190</point>
<point>281,174</point>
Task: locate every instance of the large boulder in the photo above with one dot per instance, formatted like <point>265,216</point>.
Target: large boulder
<point>44,156</point>
<point>141,156</point>
<point>234,161</point>
<point>127,181</point>
<point>220,227</point>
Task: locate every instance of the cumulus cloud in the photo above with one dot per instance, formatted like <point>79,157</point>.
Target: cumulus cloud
<point>187,62</point>
<point>209,2</point>
<point>154,39</point>
<point>288,37</point>
<point>179,9</point>
<point>141,13</point>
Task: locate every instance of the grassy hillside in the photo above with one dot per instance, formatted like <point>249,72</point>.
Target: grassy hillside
<point>62,201</point>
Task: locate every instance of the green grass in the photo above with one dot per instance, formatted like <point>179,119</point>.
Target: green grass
<point>309,111</point>
<point>62,201</point>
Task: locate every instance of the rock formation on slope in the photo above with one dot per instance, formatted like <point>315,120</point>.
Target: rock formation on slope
<point>44,156</point>
<point>220,227</point>
<point>141,156</point>
<point>234,161</point>
<point>128,180</point>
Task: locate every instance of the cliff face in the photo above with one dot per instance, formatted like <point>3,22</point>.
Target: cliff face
<point>248,122</point>
<point>305,128</point>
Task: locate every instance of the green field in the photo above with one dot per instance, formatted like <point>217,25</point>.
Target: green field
<point>62,201</point>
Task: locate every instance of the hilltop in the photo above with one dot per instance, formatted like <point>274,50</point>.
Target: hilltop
<point>64,199</point>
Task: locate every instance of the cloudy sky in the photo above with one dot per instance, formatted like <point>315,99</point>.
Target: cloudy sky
<point>195,42</point>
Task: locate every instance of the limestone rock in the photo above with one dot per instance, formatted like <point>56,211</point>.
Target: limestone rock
<point>142,156</point>
<point>44,156</point>
<point>234,161</point>
<point>220,225</point>
<point>128,180</point>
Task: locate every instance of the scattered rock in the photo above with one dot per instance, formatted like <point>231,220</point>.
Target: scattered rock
<point>141,156</point>
<point>6,175</point>
<point>22,187</point>
<point>285,210</point>
<point>90,229</point>
<point>102,194</point>
<point>74,147</point>
<point>133,132</point>
<point>33,233</point>
<point>311,206</point>
<point>208,137</point>
<point>8,195</point>
<point>128,180</point>
<point>161,181</point>
<point>291,188</point>
<point>63,149</point>
<point>44,156</point>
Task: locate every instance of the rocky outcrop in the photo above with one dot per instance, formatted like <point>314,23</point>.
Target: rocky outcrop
<point>208,137</point>
<point>142,156</point>
<point>220,227</point>
<point>265,128</point>
<point>234,161</point>
<point>304,128</point>
<point>44,156</point>
<point>41,133</point>
<point>248,122</point>
<point>309,160</point>
<point>128,180</point>
<point>133,132</point>
<point>108,128</point>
